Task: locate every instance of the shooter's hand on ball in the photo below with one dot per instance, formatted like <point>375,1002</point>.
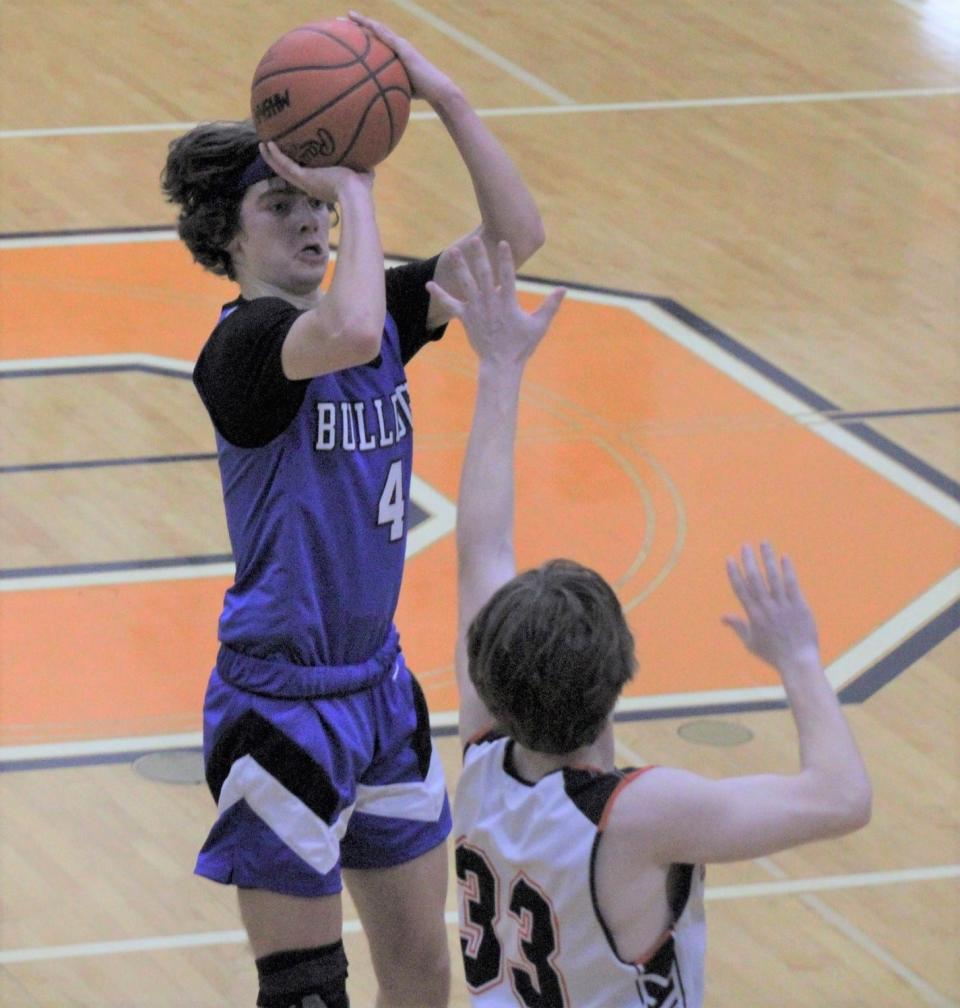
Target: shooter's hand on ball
<point>426,80</point>
<point>321,183</point>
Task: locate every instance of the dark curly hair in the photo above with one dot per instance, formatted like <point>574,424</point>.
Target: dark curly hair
<point>549,654</point>
<point>202,176</point>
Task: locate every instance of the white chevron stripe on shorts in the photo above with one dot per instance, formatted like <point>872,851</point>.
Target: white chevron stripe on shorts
<point>418,800</point>
<point>298,826</point>
<point>303,831</point>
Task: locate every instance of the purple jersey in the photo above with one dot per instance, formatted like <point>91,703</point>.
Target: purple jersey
<point>317,502</point>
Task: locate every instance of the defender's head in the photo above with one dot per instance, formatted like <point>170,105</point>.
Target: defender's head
<point>549,654</point>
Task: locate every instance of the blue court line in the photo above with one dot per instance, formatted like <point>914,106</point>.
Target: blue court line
<point>71,370</point>
<point>82,369</point>
<point>883,414</point>
<point>66,762</point>
<point>157,563</point>
<point>796,388</point>
<point>919,643</point>
<point>866,684</point>
<point>106,463</point>
<point>85,232</point>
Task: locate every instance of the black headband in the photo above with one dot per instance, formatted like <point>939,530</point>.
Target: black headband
<point>256,171</point>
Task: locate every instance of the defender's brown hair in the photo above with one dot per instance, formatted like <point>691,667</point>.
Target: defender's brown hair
<point>549,654</point>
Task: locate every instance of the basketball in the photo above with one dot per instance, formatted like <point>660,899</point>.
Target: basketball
<point>331,93</point>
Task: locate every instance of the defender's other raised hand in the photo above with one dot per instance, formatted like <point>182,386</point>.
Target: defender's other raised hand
<point>779,627</point>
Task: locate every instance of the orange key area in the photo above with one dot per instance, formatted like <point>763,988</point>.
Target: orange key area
<point>647,449</point>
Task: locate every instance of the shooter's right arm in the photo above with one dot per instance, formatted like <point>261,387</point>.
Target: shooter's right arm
<point>346,327</point>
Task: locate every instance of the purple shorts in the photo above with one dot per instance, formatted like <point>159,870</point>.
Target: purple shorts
<point>323,769</point>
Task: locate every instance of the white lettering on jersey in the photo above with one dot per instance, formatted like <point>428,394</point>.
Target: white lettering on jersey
<point>326,426</point>
<point>362,426</point>
<point>366,442</point>
<point>386,437</point>
<point>347,433</point>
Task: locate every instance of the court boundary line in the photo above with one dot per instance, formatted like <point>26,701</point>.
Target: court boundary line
<point>483,51</point>
<point>652,105</point>
<point>439,513</point>
<point>749,890</point>
<point>862,940</point>
<point>805,889</point>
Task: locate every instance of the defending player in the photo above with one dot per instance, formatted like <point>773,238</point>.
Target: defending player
<point>581,885</point>
<point>316,735</point>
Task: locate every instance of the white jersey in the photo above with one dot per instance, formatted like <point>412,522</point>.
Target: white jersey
<point>530,930</point>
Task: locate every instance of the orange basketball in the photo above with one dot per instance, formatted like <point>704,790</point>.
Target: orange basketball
<point>330,93</point>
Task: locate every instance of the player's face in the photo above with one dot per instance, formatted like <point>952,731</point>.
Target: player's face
<point>284,238</point>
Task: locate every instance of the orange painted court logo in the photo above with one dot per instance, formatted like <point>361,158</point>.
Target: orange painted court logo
<point>651,446</point>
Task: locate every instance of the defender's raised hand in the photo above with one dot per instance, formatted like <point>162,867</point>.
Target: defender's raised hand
<point>497,327</point>
<point>779,627</point>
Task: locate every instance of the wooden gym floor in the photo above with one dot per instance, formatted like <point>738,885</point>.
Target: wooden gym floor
<point>756,207</point>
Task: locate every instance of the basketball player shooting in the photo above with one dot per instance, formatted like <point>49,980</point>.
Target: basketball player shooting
<point>312,721</point>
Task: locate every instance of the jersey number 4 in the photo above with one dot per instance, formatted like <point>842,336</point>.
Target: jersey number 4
<point>533,977</point>
<point>391,508</point>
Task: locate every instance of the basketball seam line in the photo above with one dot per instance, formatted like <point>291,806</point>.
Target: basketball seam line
<point>363,120</point>
<point>371,76</point>
<point>358,57</point>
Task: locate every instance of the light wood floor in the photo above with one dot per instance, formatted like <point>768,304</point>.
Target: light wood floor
<point>786,172</point>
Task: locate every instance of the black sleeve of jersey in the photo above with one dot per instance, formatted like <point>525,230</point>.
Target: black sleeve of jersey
<point>239,374</point>
<point>407,302</point>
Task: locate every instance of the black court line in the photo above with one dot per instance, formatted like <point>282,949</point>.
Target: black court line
<point>417,514</point>
<point>86,232</point>
<point>115,567</point>
<point>885,414</point>
<point>107,463</point>
<point>72,371</point>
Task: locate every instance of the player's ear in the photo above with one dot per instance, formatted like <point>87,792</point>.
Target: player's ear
<point>234,247</point>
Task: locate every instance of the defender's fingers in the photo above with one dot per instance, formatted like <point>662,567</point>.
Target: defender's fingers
<point>791,585</point>
<point>752,578</point>
<point>450,303</point>
<point>735,576</point>
<point>480,264</point>
<point>464,274</point>
<point>506,271</point>
<point>550,305</point>
<point>770,569</point>
<point>738,626</point>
